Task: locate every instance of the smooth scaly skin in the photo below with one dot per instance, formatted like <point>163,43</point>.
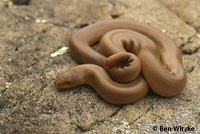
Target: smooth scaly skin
<point>98,78</point>
<point>161,63</point>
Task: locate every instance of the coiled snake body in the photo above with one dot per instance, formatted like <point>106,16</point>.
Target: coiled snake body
<point>133,56</point>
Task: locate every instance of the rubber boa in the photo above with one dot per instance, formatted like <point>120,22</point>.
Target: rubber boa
<point>132,57</point>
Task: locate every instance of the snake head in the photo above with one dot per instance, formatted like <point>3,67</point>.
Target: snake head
<point>69,79</point>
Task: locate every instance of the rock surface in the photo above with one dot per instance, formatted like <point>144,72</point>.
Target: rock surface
<point>186,10</point>
<point>29,34</point>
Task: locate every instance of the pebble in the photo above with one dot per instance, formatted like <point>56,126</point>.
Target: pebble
<point>59,51</point>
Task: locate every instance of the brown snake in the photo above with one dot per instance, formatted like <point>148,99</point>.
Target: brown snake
<point>139,56</point>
